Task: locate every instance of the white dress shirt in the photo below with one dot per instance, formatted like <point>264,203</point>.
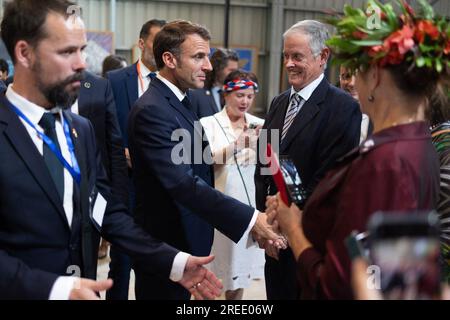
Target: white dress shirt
<point>144,75</point>
<point>307,91</point>
<point>364,127</point>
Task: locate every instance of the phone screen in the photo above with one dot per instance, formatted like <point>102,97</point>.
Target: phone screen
<point>293,182</point>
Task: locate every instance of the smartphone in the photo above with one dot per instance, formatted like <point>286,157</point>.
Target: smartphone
<point>357,245</point>
<point>295,189</point>
<point>406,248</point>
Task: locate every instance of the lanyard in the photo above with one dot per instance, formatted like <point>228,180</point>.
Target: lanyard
<point>141,80</point>
<point>75,169</point>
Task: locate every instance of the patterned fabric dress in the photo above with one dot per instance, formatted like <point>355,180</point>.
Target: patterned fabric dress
<point>441,140</point>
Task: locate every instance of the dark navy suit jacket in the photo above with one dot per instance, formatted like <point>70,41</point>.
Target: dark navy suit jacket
<point>36,243</point>
<point>203,103</point>
<point>96,103</point>
<point>124,84</point>
<point>177,202</point>
<point>326,128</point>
<point>3,86</point>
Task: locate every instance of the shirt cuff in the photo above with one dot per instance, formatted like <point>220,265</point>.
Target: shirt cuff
<point>252,222</point>
<point>178,266</point>
<point>62,287</point>
<point>250,240</point>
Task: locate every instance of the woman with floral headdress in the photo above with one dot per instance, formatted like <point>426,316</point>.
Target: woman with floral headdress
<point>232,134</point>
<point>398,64</point>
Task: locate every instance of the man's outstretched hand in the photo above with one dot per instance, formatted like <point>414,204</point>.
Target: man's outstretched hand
<point>201,283</point>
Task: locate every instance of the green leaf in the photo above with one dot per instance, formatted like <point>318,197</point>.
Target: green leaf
<point>367,43</point>
<point>426,10</point>
<point>391,17</point>
<point>420,62</point>
<point>439,66</point>
<point>425,48</point>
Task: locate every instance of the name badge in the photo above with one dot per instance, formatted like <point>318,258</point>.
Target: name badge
<point>98,208</point>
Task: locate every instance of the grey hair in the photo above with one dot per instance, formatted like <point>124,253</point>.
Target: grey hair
<point>317,32</point>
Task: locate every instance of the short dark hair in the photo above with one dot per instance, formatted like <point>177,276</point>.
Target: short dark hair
<point>4,66</point>
<point>145,30</point>
<point>240,75</point>
<point>172,35</point>
<point>219,60</point>
<point>112,62</point>
<point>25,19</point>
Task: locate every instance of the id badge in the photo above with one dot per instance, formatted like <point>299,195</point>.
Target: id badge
<point>97,208</point>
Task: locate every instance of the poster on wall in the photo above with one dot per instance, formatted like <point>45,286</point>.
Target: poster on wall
<point>248,56</point>
<point>100,44</point>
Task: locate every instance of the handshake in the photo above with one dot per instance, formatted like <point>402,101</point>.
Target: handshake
<point>266,233</point>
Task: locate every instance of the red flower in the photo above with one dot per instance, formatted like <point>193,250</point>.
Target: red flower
<point>359,35</point>
<point>447,47</point>
<point>425,27</point>
<point>402,40</point>
<point>394,57</point>
<point>375,50</point>
<point>395,47</point>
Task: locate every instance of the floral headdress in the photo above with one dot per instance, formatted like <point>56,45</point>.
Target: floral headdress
<point>381,36</point>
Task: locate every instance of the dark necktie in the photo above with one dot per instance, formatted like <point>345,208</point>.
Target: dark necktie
<point>187,103</point>
<point>151,75</point>
<point>54,166</point>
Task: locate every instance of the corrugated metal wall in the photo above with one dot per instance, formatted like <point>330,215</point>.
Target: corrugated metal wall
<point>250,25</point>
<point>252,22</point>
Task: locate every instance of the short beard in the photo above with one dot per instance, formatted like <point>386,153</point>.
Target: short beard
<point>57,94</point>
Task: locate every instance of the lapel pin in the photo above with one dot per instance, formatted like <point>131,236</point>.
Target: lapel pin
<point>208,93</point>
<point>74,133</point>
<point>87,85</point>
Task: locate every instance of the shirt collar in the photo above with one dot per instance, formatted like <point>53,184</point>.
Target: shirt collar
<point>178,93</point>
<point>32,111</point>
<point>144,70</point>
<point>307,91</point>
<point>224,120</point>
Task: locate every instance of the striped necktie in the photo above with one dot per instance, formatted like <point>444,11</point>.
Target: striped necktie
<point>294,108</point>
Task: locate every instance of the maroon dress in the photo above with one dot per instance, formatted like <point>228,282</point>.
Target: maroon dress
<point>397,169</point>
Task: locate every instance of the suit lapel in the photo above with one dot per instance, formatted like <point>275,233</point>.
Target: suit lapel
<point>84,98</point>
<point>278,118</point>
<point>212,104</point>
<point>189,115</point>
<point>21,141</point>
<point>131,83</point>
<point>305,115</point>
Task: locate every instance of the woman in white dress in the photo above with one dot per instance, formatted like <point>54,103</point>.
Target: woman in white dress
<point>232,134</point>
